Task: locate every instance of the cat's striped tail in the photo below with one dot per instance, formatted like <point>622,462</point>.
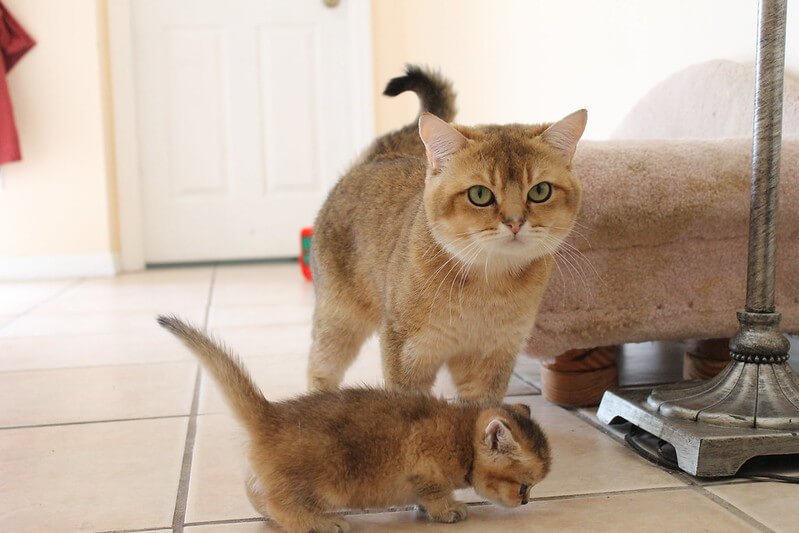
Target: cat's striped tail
<point>435,92</point>
<point>247,401</point>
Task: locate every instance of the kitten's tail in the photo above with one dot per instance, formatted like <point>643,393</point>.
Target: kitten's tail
<point>435,92</point>
<point>247,401</point>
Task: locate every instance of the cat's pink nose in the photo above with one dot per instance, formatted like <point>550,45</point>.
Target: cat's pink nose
<point>514,225</point>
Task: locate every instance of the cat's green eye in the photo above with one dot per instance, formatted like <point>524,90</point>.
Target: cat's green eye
<point>480,196</point>
<point>540,192</point>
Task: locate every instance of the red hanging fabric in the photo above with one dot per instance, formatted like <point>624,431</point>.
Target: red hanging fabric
<point>14,43</point>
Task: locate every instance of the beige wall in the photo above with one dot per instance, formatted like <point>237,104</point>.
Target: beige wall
<point>537,60</point>
<point>511,60</point>
<point>59,199</point>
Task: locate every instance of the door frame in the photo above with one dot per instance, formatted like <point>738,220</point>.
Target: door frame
<point>123,96</point>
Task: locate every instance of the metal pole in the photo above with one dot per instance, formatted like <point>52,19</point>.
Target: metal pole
<point>758,339</point>
<point>766,142</point>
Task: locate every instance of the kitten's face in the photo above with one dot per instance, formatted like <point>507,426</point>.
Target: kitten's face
<point>502,196</point>
<point>511,455</point>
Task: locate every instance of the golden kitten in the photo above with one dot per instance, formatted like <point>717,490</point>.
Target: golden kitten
<point>362,448</point>
<point>442,239</point>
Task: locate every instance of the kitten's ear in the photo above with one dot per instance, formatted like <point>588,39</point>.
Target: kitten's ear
<point>564,134</point>
<point>522,409</point>
<point>498,436</point>
<point>440,140</point>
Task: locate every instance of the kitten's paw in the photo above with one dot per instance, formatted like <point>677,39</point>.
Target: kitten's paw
<point>455,513</point>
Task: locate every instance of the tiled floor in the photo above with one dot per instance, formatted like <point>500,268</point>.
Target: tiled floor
<point>105,423</point>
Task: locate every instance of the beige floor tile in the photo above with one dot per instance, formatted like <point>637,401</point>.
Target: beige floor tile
<point>43,323</point>
<point>773,504</point>
<point>56,351</point>
<point>218,472</point>
<point>96,393</point>
<point>256,341</point>
<point>529,369</point>
<point>650,511</point>
<point>587,461</point>
<point>171,290</point>
<point>154,301</point>
<point>259,315</point>
<point>274,284</point>
<point>91,477</point>
<point>5,319</point>
<point>19,296</point>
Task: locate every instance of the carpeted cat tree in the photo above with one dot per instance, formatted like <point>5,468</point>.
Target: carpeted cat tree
<point>659,251</point>
<point>670,218</point>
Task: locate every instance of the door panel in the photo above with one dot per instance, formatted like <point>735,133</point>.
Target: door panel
<point>245,119</point>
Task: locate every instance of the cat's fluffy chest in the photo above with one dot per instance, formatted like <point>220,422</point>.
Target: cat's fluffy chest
<point>479,315</point>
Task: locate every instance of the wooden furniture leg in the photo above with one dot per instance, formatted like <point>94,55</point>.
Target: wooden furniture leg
<point>579,377</point>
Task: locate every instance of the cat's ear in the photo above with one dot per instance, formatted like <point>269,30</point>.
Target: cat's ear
<point>440,140</point>
<point>498,436</point>
<point>564,134</point>
<point>522,409</point>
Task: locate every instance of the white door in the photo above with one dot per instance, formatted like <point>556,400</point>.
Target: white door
<point>247,112</point>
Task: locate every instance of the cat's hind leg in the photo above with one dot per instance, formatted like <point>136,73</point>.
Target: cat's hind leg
<point>339,330</point>
<point>300,514</point>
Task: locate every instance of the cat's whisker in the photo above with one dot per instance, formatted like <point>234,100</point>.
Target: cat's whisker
<point>467,267</point>
<point>552,250</point>
<point>443,247</point>
<point>455,256</point>
<point>452,257</point>
<point>574,231</point>
<point>569,261</point>
<point>488,255</point>
<point>577,254</point>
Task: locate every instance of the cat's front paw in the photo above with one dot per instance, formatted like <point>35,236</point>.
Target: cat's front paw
<point>453,513</point>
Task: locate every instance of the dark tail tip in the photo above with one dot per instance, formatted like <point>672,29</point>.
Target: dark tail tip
<point>414,76</point>
<point>397,86</point>
<point>434,91</point>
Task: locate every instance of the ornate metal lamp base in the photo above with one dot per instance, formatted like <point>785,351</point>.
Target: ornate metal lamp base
<point>743,395</point>
<point>702,449</point>
<point>752,407</point>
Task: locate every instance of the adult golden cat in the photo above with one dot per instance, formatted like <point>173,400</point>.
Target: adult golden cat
<point>444,244</point>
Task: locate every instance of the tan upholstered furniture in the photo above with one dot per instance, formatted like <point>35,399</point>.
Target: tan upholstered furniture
<point>663,232</point>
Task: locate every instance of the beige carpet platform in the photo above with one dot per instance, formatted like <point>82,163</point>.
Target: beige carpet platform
<point>660,248</point>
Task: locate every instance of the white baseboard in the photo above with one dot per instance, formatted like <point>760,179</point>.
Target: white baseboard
<point>59,266</point>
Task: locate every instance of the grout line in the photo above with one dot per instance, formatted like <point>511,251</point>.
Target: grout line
<point>181,499</point>
<point>88,422</point>
<point>410,508</point>
<point>527,382</point>
<point>699,489</point>
<point>585,495</point>
<point>255,519</point>
<point>139,530</point>
<point>40,303</point>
